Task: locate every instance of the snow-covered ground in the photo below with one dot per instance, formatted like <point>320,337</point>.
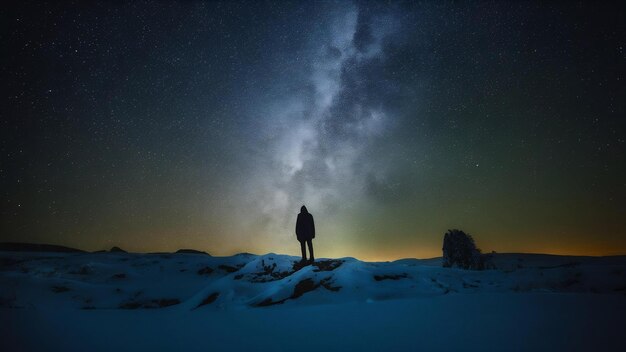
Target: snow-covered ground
<point>123,301</point>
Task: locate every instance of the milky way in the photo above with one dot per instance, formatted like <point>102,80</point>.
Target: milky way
<point>155,126</point>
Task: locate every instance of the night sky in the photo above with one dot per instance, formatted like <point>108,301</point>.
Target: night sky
<point>155,126</point>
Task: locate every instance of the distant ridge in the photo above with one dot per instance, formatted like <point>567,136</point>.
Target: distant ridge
<point>191,251</point>
<point>36,247</point>
<point>43,247</point>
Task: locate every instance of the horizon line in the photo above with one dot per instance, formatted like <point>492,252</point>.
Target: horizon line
<point>257,254</point>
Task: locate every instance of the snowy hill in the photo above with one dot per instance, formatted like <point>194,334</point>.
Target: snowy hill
<point>187,283</point>
<point>190,281</point>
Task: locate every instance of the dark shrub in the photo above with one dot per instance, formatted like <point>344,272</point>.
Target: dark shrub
<point>460,250</point>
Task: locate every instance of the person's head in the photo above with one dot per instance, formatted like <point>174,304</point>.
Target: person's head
<point>303,209</point>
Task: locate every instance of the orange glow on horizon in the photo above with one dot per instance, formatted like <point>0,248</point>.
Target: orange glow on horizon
<point>167,242</point>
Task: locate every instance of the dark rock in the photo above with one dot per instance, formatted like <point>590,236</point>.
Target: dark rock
<point>322,265</point>
<point>166,302</point>
<point>228,268</point>
<point>390,277</point>
<point>299,265</point>
<point>154,303</point>
<point>327,265</point>
<point>303,287</point>
<point>268,302</point>
<point>205,271</point>
<point>117,249</point>
<point>460,250</point>
<point>269,274</point>
<point>210,299</point>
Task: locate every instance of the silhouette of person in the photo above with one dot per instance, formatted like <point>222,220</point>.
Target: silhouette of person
<point>305,232</point>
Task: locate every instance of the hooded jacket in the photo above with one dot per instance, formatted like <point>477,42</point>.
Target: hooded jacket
<point>305,227</point>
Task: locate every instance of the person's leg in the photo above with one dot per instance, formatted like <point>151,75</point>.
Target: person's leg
<point>311,256</point>
<point>303,248</point>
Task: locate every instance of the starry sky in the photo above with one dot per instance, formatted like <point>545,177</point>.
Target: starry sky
<point>155,126</point>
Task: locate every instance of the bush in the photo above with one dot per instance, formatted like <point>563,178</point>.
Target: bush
<point>460,250</point>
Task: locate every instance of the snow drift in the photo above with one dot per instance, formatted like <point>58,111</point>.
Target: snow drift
<point>377,305</point>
